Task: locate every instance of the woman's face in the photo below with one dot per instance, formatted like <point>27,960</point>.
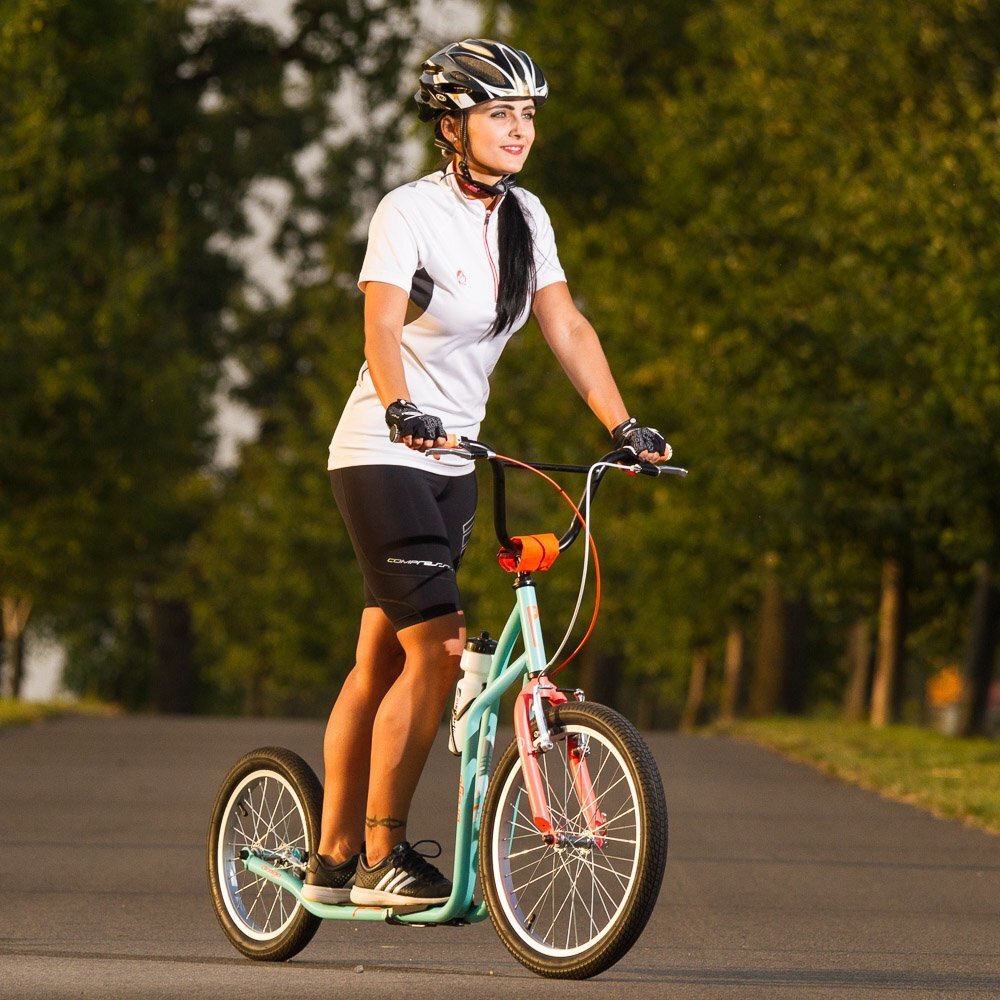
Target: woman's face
<point>500,135</point>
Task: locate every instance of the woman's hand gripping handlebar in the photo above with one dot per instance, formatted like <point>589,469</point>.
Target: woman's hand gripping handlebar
<point>410,426</point>
<point>624,458</point>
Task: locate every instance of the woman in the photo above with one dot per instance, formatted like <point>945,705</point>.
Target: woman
<point>455,263</point>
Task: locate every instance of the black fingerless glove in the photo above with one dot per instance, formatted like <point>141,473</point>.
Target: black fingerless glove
<point>405,420</point>
<point>630,435</point>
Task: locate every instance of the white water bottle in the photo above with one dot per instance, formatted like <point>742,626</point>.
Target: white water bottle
<point>477,658</point>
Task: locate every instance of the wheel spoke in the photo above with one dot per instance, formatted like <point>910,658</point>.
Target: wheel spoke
<point>532,864</point>
<point>572,907</point>
<point>262,886</point>
<point>274,902</point>
<point>538,878</point>
<point>258,819</point>
<point>606,868</point>
<point>527,850</point>
<point>274,809</point>
<point>260,823</point>
<point>284,821</point>
<point>242,832</point>
<point>528,829</point>
<point>562,865</point>
<point>618,819</point>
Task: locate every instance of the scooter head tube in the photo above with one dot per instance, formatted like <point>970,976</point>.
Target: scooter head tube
<point>531,553</point>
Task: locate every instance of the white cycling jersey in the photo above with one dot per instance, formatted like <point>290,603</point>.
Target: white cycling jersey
<point>439,246</point>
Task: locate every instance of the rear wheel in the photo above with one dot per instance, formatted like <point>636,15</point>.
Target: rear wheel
<point>573,908</point>
<point>269,805</point>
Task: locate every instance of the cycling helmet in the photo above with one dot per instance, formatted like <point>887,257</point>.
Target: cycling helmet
<point>464,74</point>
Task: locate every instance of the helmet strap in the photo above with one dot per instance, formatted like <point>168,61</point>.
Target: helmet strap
<point>447,147</point>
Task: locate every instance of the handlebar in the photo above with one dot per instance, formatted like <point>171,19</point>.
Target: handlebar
<point>625,458</point>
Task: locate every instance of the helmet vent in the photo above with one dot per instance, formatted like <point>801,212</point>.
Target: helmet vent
<point>481,69</point>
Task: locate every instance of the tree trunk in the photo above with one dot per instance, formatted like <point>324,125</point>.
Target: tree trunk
<point>796,666</point>
<point>859,659</point>
<point>174,681</point>
<point>980,657</point>
<point>768,679</point>
<point>649,700</point>
<point>16,612</point>
<point>599,674</point>
<point>887,687</point>
<point>696,689</point>
<point>732,673</point>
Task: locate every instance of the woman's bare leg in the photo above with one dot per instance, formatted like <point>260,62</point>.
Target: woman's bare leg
<point>406,724</point>
<point>347,747</point>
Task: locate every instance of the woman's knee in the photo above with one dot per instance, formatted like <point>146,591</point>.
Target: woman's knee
<point>435,647</point>
<point>379,658</point>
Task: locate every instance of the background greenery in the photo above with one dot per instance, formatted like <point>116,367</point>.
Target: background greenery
<point>782,218</point>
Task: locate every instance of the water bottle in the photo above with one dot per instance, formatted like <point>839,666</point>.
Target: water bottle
<point>477,658</point>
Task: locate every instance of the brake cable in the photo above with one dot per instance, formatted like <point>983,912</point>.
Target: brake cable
<point>590,547</point>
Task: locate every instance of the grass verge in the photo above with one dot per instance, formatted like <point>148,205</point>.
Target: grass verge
<point>14,712</point>
<point>952,778</point>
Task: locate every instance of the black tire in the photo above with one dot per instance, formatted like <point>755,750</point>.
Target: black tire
<point>625,777</point>
<point>262,920</point>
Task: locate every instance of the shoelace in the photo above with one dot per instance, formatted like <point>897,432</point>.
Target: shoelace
<point>416,861</point>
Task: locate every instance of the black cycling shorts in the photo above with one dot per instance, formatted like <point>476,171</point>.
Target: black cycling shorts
<point>409,529</point>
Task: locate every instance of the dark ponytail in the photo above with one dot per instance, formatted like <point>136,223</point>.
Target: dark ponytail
<point>517,264</point>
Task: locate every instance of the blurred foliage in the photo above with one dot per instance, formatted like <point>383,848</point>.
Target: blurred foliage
<point>275,589</point>
<point>135,136</point>
<point>794,272</point>
<point>130,141</point>
<point>781,217</point>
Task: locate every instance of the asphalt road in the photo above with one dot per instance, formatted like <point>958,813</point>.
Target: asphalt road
<point>781,883</point>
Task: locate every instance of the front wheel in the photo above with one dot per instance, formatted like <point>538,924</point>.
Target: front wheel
<point>269,805</point>
<point>573,908</point>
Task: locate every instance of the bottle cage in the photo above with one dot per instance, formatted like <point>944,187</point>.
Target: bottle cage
<point>531,553</point>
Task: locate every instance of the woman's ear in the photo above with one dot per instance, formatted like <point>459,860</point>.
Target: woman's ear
<point>449,129</point>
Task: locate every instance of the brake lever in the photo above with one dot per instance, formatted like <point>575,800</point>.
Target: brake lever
<point>463,447</point>
<point>457,452</point>
<point>631,463</point>
<point>640,467</point>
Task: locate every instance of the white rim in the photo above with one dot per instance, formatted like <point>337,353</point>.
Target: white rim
<point>605,873</point>
<point>264,817</point>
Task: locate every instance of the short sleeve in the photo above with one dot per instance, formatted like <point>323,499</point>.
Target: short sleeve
<point>547,267</point>
<point>393,255</point>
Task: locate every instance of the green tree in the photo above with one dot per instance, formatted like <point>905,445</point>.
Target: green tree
<point>769,272</point>
<point>275,588</point>
<point>131,140</point>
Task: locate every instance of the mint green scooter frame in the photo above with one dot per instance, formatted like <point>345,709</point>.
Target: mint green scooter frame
<point>473,779</point>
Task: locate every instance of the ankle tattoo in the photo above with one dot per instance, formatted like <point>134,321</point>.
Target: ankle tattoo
<point>389,822</point>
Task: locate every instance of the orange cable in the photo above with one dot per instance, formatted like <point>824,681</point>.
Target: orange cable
<point>593,549</point>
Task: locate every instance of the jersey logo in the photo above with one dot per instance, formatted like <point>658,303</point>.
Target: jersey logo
<point>461,277</point>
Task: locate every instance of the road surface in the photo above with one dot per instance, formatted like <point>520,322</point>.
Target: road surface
<point>781,883</point>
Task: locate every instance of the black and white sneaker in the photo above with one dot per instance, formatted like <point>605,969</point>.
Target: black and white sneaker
<point>326,883</point>
<point>404,877</point>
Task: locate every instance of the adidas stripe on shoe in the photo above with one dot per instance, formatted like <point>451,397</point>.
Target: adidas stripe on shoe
<point>404,877</point>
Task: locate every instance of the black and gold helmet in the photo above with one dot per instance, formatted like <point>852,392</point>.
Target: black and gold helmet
<point>464,74</point>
